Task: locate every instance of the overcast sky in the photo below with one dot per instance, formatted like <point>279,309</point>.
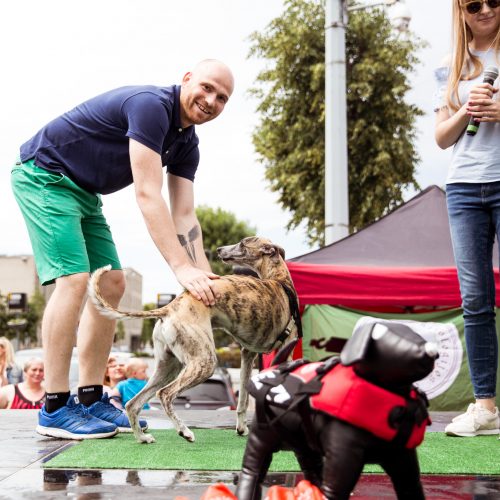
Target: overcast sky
<point>56,54</point>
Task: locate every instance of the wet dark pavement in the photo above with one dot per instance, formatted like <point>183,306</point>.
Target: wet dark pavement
<point>23,452</point>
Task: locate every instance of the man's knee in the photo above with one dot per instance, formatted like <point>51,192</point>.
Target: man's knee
<point>75,284</point>
<point>112,285</point>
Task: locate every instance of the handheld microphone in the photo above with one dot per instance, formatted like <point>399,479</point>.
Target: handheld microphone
<point>490,75</point>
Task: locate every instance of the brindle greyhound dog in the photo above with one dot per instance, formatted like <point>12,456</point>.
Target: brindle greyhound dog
<point>261,314</point>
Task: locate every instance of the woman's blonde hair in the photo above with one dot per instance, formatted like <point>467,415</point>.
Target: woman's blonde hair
<point>464,65</point>
<point>9,351</point>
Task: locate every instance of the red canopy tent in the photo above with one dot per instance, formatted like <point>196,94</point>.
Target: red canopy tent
<point>400,264</point>
<point>403,260</point>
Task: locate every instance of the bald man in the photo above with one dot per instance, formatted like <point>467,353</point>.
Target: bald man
<point>121,137</point>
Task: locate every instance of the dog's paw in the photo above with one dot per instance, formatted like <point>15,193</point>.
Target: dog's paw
<point>146,438</point>
<point>242,431</point>
<point>187,435</point>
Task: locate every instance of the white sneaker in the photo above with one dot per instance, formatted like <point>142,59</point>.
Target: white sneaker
<point>476,421</point>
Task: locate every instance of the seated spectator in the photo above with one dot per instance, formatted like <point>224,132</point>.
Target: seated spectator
<point>137,378</point>
<point>10,372</point>
<point>27,395</point>
<point>115,372</point>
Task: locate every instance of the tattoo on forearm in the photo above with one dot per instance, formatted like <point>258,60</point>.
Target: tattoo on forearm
<point>188,243</point>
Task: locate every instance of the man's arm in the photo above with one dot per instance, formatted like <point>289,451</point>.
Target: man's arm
<point>188,228</point>
<point>148,181</point>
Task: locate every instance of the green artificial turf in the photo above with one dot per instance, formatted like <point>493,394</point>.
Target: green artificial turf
<point>222,449</point>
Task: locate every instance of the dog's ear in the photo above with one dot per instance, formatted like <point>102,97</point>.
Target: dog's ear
<point>280,251</point>
<point>388,353</point>
<point>356,347</point>
<point>273,250</point>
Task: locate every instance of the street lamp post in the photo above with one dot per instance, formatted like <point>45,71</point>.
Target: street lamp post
<point>336,172</point>
<point>336,178</point>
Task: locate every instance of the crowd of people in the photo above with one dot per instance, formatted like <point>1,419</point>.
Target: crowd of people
<point>23,388</point>
<point>28,394</point>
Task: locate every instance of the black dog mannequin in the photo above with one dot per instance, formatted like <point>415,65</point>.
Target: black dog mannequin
<point>294,411</point>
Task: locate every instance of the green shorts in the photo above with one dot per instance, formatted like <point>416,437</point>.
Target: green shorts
<point>66,226</point>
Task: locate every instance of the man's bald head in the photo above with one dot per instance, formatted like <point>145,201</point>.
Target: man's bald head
<point>205,91</point>
<point>216,68</point>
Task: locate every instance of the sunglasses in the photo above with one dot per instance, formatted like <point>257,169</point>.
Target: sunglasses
<point>476,6</point>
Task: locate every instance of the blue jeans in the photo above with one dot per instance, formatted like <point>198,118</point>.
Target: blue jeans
<point>474,214</point>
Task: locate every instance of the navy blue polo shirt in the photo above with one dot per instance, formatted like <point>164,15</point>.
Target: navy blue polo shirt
<point>90,143</point>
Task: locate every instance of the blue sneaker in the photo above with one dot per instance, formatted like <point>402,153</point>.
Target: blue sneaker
<point>104,410</point>
<point>73,421</point>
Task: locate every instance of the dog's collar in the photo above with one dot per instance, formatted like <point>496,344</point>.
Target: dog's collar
<point>294,312</point>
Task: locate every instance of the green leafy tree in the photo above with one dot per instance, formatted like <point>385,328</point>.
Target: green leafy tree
<point>291,95</point>
<point>220,228</point>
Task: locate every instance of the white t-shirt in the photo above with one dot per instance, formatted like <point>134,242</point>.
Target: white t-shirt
<point>475,158</point>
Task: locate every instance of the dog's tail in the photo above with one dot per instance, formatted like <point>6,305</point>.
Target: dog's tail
<point>106,309</point>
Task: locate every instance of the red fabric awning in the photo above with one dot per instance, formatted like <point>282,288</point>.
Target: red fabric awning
<point>365,287</point>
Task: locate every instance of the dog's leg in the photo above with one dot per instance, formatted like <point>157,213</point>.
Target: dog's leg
<point>344,451</point>
<point>402,467</point>
<point>166,370</point>
<point>186,334</point>
<point>262,442</point>
<point>194,372</point>
<point>311,463</point>
<point>194,348</point>
<point>247,361</point>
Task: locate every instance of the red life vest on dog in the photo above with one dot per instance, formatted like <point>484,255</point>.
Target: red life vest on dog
<point>351,398</point>
<point>346,396</point>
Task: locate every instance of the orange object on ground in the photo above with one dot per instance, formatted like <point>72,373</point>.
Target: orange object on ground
<point>218,491</point>
<point>303,491</point>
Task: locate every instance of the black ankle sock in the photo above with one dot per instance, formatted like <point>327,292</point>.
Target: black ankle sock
<point>55,400</point>
<point>89,394</point>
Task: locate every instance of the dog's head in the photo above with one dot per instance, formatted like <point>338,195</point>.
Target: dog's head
<point>389,354</point>
<point>250,252</point>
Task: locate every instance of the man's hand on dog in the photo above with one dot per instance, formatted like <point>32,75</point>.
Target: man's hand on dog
<point>199,283</point>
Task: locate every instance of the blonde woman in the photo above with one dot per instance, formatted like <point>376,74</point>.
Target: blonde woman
<point>473,194</point>
<point>10,373</point>
<point>115,372</point>
<point>27,395</point>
